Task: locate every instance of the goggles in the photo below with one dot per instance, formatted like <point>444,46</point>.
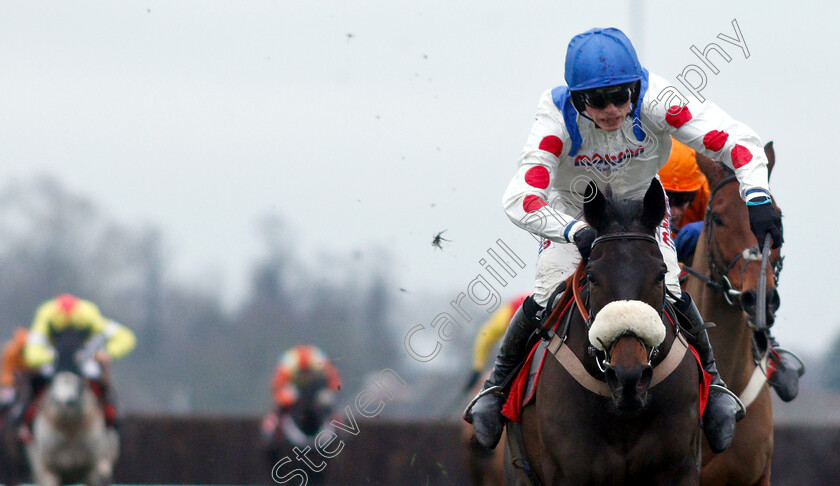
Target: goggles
<point>600,98</point>
<point>677,199</point>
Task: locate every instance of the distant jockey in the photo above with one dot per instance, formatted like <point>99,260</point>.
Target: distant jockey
<point>688,195</point>
<point>12,369</point>
<point>296,367</point>
<point>490,332</point>
<point>67,315</point>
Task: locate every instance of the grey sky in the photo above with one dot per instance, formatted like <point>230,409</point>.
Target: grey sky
<point>376,124</point>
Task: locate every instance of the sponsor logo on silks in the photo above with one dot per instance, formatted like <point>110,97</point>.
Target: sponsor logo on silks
<point>544,244</point>
<point>666,229</point>
<point>608,161</point>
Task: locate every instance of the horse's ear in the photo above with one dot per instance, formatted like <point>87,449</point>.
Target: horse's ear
<point>594,206</point>
<point>771,157</point>
<point>713,171</point>
<point>654,205</point>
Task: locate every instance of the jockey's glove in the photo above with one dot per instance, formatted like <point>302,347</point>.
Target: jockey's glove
<point>583,240</point>
<point>765,219</point>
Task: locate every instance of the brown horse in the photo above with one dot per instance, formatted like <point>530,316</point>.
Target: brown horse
<point>628,423</point>
<point>727,255</point>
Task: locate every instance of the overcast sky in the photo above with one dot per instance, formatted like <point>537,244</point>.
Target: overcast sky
<point>376,124</point>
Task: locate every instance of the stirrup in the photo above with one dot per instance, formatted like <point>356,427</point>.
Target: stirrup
<point>496,389</point>
<point>742,410</point>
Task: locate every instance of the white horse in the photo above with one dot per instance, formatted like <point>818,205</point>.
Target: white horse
<point>71,443</point>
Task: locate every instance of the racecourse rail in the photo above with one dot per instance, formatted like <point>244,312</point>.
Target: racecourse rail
<point>226,450</point>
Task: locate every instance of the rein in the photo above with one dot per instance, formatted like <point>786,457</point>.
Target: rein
<point>581,306</point>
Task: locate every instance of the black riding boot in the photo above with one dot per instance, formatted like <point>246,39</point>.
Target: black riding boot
<point>486,414</point>
<point>785,378</point>
<point>722,410</point>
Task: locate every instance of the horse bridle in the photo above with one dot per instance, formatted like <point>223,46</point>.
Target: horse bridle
<point>625,235</point>
<point>717,278</point>
<point>629,235</point>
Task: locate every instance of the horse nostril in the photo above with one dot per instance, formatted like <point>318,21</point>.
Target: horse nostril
<point>647,376</point>
<point>748,301</point>
<point>612,379</point>
<point>773,300</point>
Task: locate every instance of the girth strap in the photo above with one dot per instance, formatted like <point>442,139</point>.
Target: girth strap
<point>570,362</point>
<point>516,443</point>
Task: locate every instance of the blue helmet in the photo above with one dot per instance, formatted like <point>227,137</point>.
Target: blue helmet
<point>601,57</point>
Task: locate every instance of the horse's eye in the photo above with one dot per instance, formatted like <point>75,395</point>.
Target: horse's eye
<point>716,219</point>
<point>661,276</point>
<point>591,279</point>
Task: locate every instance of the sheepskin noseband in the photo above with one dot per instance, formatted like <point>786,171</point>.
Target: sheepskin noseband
<point>621,316</point>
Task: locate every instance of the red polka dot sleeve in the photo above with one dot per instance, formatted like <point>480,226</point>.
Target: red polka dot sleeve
<point>527,200</point>
<point>709,130</point>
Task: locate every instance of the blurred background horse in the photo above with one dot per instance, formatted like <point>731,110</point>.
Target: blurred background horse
<point>70,440</point>
<point>305,385</point>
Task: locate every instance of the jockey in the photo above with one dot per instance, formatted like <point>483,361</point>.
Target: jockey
<point>12,368</point>
<point>294,368</point>
<point>688,195</point>
<point>612,125</point>
<point>69,314</point>
<point>297,366</point>
<point>490,332</point>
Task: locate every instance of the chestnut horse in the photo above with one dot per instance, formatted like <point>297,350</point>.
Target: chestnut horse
<point>727,256</point>
<point>615,416</point>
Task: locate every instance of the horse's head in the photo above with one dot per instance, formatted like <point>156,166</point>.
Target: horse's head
<point>734,254</point>
<point>626,275</point>
<point>315,404</point>
<point>66,399</point>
